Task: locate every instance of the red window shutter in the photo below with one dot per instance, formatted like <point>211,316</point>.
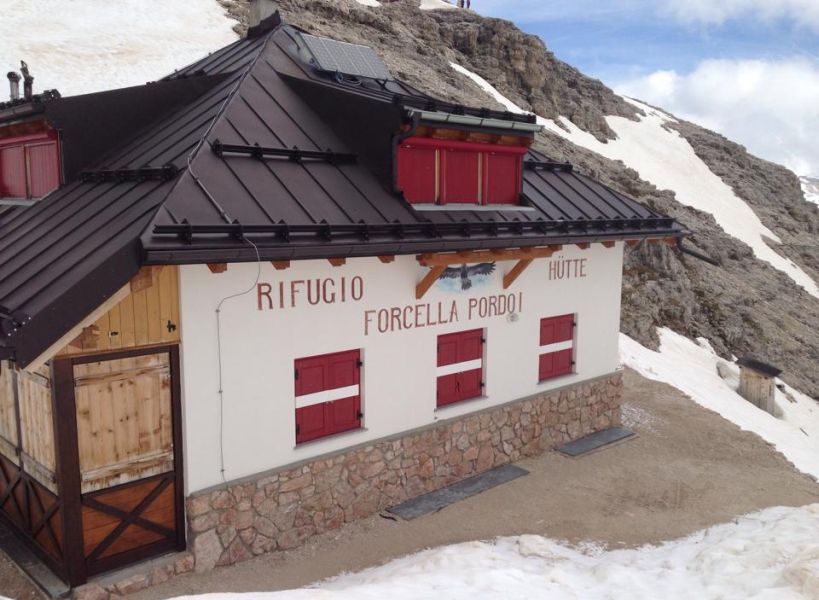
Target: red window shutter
<point>555,330</point>
<point>502,177</point>
<point>417,173</point>
<point>13,172</point>
<point>43,168</point>
<point>461,177</point>
<point>328,373</point>
<point>455,349</point>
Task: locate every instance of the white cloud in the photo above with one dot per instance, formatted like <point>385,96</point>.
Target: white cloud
<point>801,12</point>
<point>707,12</point>
<point>770,106</point>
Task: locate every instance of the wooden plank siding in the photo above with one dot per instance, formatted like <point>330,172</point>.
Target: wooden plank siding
<point>8,413</point>
<point>148,316</point>
<point>124,424</point>
<point>37,426</point>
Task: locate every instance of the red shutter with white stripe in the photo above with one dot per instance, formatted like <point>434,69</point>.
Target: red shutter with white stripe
<point>328,395</point>
<point>460,366</point>
<point>556,347</point>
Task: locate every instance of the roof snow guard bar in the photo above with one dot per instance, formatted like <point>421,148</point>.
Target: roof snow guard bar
<point>537,165</point>
<point>187,232</point>
<point>11,321</point>
<point>165,173</point>
<point>293,154</point>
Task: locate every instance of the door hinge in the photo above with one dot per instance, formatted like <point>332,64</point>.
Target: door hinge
<point>573,363</point>
<point>360,415</point>
<point>296,373</point>
<point>298,429</point>
<point>359,363</point>
<point>483,384</point>
<point>483,340</point>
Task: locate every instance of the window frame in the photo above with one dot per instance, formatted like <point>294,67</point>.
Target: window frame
<point>444,149</point>
<point>445,375</point>
<point>307,403</point>
<point>557,349</point>
<point>27,142</point>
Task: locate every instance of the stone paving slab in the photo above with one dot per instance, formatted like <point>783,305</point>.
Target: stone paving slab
<point>595,441</point>
<point>435,501</point>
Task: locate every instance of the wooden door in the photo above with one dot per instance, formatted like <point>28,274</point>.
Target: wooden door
<point>128,446</point>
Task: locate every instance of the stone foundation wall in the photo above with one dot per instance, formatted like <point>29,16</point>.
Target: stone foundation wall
<point>280,510</point>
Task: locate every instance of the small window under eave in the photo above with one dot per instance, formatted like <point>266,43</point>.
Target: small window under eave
<point>29,165</point>
<point>453,172</point>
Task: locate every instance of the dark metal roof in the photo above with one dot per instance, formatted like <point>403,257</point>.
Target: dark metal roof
<point>63,256</point>
<point>193,186</point>
<point>759,366</point>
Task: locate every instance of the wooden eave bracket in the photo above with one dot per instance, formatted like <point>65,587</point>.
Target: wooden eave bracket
<point>217,267</point>
<point>429,279</point>
<point>438,262</point>
<point>280,265</point>
<point>337,262</point>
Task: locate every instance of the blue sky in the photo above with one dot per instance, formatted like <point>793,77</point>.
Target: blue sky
<point>747,68</point>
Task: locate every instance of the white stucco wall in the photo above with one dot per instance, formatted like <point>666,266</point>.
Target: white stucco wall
<point>399,372</point>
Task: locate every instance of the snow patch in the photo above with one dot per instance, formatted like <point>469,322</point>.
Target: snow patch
<point>666,159</point>
<point>436,5</point>
<point>810,187</point>
<point>769,554</point>
<point>691,367</point>
<point>369,2</point>
<point>86,46</point>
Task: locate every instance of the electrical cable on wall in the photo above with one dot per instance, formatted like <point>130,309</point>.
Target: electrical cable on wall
<point>219,356</point>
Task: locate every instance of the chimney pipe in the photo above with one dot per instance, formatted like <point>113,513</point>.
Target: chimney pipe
<point>28,81</point>
<point>261,10</point>
<point>14,84</point>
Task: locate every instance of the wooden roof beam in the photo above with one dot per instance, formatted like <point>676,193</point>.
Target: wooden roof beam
<point>609,244</point>
<point>217,267</point>
<point>337,262</point>
<point>429,279</point>
<point>584,245</point>
<point>478,256</point>
<point>280,265</point>
<point>515,272</point>
<point>386,259</point>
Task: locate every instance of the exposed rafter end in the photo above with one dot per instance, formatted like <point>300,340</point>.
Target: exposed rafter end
<point>386,259</point>
<point>280,265</point>
<point>428,280</point>
<point>584,245</point>
<point>337,262</point>
<point>217,267</point>
<point>609,244</point>
<point>146,278</point>
<point>632,243</point>
<point>515,272</point>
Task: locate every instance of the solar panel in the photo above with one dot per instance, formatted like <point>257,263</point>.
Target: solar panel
<point>342,57</point>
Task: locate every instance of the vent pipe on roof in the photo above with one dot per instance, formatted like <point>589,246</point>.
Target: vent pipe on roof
<point>28,81</point>
<point>14,85</point>
<point>261,10</point>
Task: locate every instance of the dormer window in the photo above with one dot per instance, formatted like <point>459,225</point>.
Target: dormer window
<point>453,172</point>
<point>29,165</point>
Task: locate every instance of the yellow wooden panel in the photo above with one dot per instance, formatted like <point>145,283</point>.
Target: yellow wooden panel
<point>140,319</point>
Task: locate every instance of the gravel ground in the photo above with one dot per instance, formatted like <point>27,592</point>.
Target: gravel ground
<point>687,469</point>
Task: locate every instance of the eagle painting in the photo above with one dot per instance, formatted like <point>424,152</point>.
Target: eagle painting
<point>466,272</point>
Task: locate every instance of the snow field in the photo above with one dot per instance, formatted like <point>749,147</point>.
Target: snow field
<point>663,157</point>
<point>769,555</point>
<point>85,46</point>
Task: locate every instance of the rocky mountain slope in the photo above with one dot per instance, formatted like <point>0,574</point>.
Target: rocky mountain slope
<point>743,306</point>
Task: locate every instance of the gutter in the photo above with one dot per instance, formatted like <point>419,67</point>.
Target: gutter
<point>441,117</point>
